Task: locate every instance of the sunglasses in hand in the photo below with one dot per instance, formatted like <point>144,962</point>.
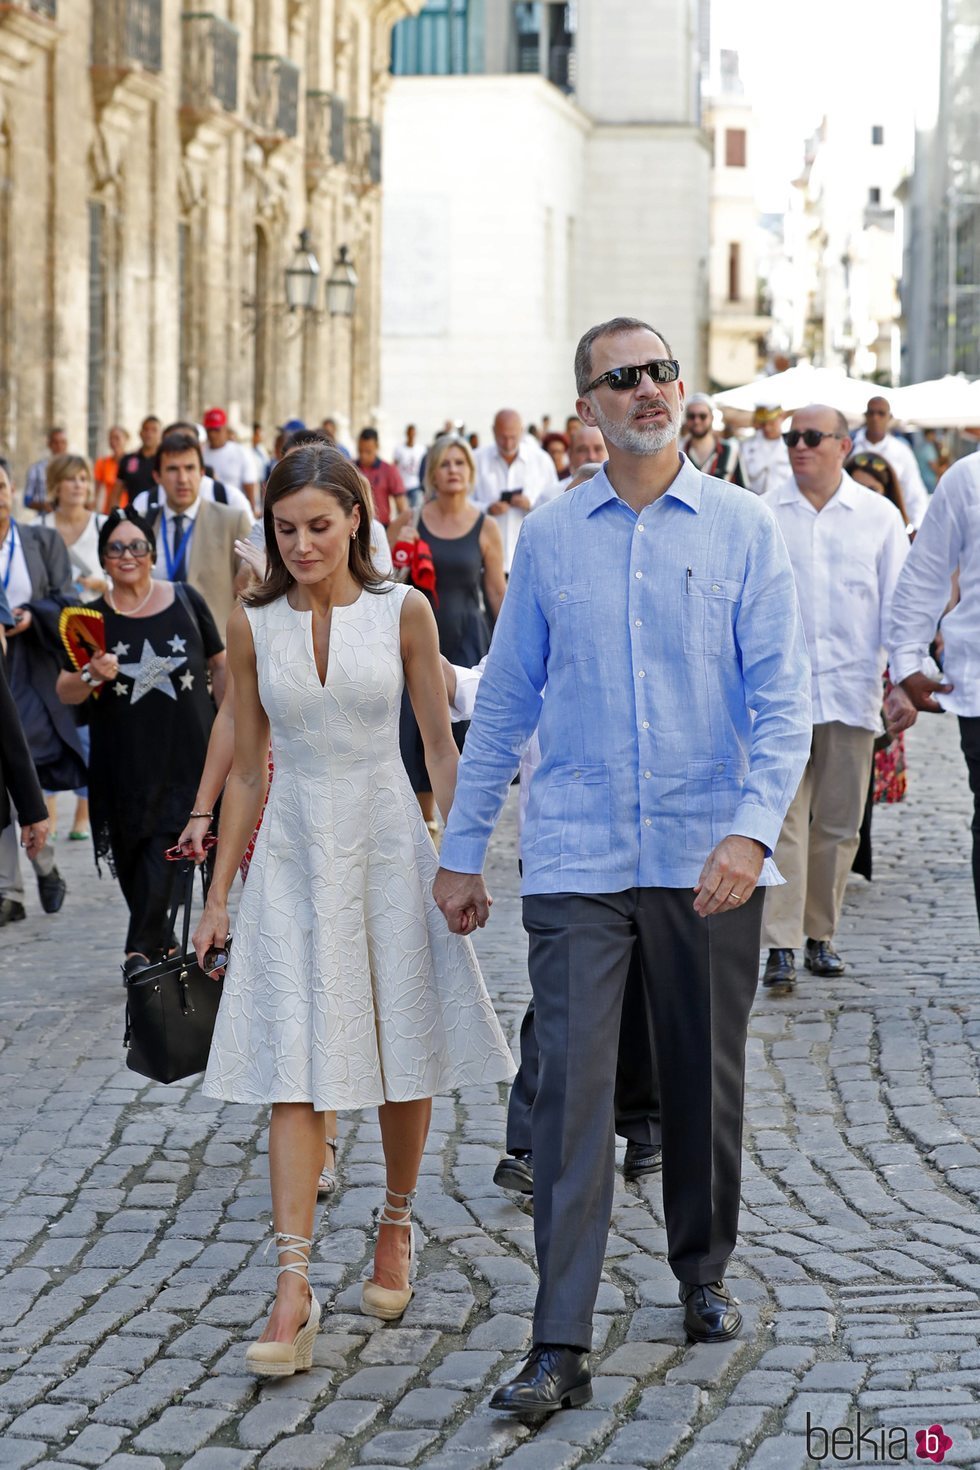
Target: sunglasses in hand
<point>624,379</point>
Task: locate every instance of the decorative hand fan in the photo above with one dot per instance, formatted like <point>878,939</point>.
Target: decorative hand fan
<point>83,634</point>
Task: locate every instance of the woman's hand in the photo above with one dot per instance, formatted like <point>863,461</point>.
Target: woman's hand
<point>212,932</point>
<point>253,556</point>
<point>23,618</point>
<point>104,666</point>
<point>93,583</point>
<point>191,840</point>
<point>403,528</point>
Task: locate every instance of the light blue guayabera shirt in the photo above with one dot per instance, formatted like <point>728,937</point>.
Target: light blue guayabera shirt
<point>677,706</point>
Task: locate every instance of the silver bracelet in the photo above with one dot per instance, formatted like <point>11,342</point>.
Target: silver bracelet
<point>92,680</point>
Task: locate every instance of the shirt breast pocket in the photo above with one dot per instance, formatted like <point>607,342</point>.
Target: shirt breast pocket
<point>710,604</point>
<point>570,625</point>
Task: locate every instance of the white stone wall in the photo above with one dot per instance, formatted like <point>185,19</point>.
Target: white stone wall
<point>512,222</point>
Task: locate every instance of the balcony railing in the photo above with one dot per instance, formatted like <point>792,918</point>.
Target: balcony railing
<point>325,134</point>
<point>209,74</point>
<point>46,8</point>
<point>364,151</point>
<point>274,100</point>
<point>127,33</point>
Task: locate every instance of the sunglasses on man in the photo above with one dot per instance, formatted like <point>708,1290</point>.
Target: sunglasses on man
<point>811,437</point>
<point>624,379</point>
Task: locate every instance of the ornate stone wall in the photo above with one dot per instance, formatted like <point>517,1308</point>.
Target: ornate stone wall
<point>157,163</point>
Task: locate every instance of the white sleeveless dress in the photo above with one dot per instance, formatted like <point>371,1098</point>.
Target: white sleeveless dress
<point>345,988</point>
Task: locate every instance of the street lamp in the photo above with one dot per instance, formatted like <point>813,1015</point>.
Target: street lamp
<point>342,285</point>
<point>303,276</point>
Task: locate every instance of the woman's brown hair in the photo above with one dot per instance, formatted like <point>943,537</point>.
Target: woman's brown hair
<point>318,467</point>
<point>879,469</point>
<point>65,467</point>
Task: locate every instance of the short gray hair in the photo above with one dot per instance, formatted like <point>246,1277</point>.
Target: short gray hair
<point>613,328</point>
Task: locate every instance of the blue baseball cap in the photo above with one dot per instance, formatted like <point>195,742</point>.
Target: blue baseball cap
<point>292,426</point>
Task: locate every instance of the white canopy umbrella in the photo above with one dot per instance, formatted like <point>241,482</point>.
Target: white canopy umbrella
<point>952,402</point>
<point>797,387</point>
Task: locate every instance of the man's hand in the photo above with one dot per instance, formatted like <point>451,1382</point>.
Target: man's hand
<point>498,507</point>
<point>729,876</point>
<point>920,690</point>
<point>900,713</point>
<point>33,837</point>
<point>463,899</point>
<point>23,618</point>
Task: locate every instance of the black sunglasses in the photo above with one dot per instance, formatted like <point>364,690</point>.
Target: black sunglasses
<point>623,379</point>
<point>127,548</point>
<point>811,437</point>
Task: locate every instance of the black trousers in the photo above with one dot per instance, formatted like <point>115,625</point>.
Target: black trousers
<point>700,976</point>
<point>970,746</point>
<point>637,1096</point>
<point>147,881</point>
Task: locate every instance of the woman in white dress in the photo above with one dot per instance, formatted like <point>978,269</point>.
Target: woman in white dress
<point>344,989</point>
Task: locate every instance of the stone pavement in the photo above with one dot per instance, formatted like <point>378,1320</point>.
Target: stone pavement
<point>132,1220</point>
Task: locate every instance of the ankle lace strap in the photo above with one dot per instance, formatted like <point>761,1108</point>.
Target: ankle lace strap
<point>296,1245</point>
<point>397,1208</point>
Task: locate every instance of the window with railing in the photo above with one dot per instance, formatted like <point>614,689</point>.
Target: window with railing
<point>274,99</point>
<point>325,126</point>
<point>127,33</point>
<point>209,63</point>
<point>433,43</point>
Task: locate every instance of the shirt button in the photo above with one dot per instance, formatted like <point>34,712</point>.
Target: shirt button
<point>647,822</point>
<point>642,674</point>
<point>646,775</point>
<point>646,724</point>
<point>719,768</point>
<point>641,528</point>
<point>637,622</point>
<point>715,587</point>
<point>638,576</point>
<point>577,775</point>
<point>562,596</point>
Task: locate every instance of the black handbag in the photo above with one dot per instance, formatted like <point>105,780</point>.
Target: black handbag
<point>171,1006</point>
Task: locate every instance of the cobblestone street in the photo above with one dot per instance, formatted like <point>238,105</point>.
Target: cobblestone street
<point>133,1219</point>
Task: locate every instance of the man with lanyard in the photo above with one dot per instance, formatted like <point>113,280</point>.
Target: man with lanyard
<point>713,455</point>
<point>195,537</point>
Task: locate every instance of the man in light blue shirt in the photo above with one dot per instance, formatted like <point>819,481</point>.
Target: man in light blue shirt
<point>657,610</point>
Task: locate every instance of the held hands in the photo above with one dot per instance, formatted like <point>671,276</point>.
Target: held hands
<point>920,690</point>
<point>212,932</point>
<point>729,876</point>
<point>463,899</point>
<point>191,840</point>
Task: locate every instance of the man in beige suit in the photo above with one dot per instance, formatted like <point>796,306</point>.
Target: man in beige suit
<point>195,537</point>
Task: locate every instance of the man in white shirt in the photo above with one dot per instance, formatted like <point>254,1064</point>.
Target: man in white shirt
<point>947,539</point>
<point>511,473</point>
<point>407,460</point>
<point>227,461</point>
<point>764,460</point>
<point>585,447</point>
<point>847,546</point>
<point>875,436</point>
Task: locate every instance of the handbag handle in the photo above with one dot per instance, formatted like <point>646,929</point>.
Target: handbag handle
<point>184,896</point>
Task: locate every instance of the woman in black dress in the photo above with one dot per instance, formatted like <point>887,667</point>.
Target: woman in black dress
<point>150,720</point>
<point>468,556</point>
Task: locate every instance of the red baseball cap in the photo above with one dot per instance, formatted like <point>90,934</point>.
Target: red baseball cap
<point>215,418</point>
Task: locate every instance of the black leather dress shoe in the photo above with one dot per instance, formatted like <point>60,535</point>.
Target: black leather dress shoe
<point>710,1313</point>
<point>822,959</point>
<point>11,911</point>
<point>552,1378</point>
<point>780,972</point>
<point>52,889</point>
<point>515,1172</point>
<point>642,1158</point>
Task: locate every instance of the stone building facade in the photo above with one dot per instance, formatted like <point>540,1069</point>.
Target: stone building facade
<point>157,163</point>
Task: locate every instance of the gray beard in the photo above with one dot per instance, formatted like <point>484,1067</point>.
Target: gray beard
<point>639,441</point>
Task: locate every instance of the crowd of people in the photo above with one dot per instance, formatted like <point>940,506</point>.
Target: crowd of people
<point>699,663</point>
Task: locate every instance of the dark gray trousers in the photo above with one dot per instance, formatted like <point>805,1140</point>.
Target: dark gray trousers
<point>700,976</point>
<point>637,1099</point>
